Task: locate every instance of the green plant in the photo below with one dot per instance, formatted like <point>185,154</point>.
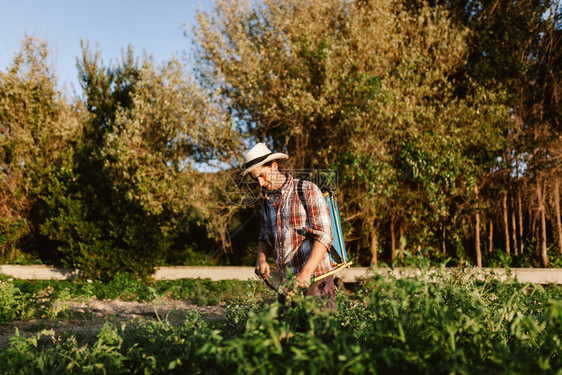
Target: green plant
<point>437,323</point>
<point>13,304</point>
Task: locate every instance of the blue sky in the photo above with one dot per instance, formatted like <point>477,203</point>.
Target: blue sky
<point>154,27</point>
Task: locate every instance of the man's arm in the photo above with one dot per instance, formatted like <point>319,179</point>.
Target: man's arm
<point>316,255</point>
<point>262,267</point>
<point>319,215</point>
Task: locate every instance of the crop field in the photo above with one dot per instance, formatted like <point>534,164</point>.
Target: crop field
<point>447,326</point>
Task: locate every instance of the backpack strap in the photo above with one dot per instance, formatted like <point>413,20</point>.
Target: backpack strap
<point>300,189</point>
<point>302,198</point>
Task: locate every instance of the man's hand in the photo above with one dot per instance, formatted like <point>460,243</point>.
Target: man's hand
<point>303,280</point>
<point>262,269</point>
<point>316,255</point>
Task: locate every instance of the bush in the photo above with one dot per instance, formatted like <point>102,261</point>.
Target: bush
<point>13,304</point>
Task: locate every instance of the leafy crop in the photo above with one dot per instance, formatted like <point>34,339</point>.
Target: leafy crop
<point>449,324</point>
<point>24,300</point>
<point>13,305</point>
<point>126,288</point>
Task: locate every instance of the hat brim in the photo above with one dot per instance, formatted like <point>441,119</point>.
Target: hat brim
<point>275,156</point>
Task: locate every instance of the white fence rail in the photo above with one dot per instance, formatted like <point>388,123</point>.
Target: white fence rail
<point>354,274</point>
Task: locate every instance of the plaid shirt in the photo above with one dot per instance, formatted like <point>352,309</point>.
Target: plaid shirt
<point>291,232</point>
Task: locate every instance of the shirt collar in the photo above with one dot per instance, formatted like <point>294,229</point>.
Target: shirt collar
<point>282,191</point>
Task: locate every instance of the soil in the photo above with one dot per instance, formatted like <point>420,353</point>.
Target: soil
<point>88,317</point>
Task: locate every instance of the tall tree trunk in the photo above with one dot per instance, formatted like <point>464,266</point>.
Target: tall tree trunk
<point>542,214</point>
<point>537,233</point>
<point>534,229</point>
<point>506,223</point>
<point>401,239</point>
<point>514,233</point>
<point>358,247</point>
<point>477,231</point>
<point>443,241</point>
<point>521,242</point>
<point>374,243</point>
<point>557,210</point>
<point>392,240</point>
<point>491,237</point>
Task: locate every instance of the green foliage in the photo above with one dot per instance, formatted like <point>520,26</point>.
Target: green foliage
<point>529,259</point>
<point>100,240</point>
<point>13,304</point>
<point>108,185</point>
<point>22,302</point>
<point>449,324</point>
<point>11,230</point>
<point>128,198</point>
<point>37,124</point>
<point>95,227</point>
<point>48,298</point>
<point>417,105</point>
<point>386,111</point>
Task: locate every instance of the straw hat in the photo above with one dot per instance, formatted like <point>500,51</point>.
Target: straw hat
<point>259,155</point>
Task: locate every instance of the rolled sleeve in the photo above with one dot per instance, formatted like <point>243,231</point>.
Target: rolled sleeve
<point>321,226</point>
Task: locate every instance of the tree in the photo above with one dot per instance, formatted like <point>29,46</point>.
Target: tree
<point>132,191</point>
<point>154,146</point>
<point>364,87</point>
<point>513,50</point>
<point>38,126</point>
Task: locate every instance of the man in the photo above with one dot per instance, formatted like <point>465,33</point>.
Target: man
<point>299,236</point>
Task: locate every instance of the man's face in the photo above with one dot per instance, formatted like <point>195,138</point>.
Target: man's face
<point>267,177</point>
